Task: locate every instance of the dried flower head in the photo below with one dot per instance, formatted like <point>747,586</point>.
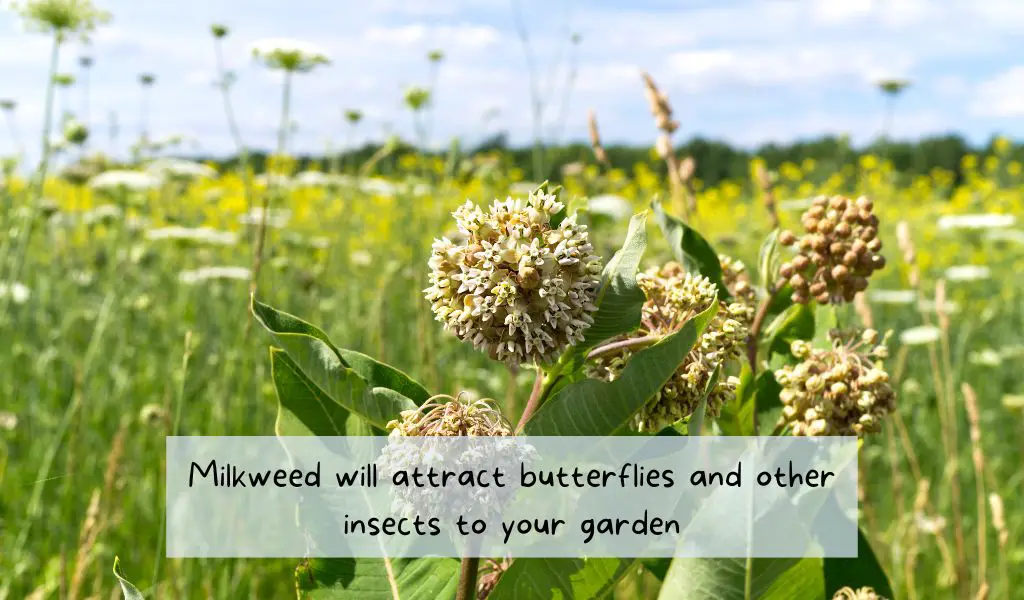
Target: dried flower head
<point>63,17</point>
<point>673,298</point>
<point>517,288</point>
<point>443,415</point>
<point>840,391</point>
<point>864,593</point>
<point>838,253</point>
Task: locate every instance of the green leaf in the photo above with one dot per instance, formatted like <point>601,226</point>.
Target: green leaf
<point>129,591</point>
<point>367,579</point>
<point>596,408</point>
<point>620,298</point>
<point>759,394</point>
<point>560,578</point>
<point>826,318</point>
<point>376,373</point>
<point>768,259</point>
<point>865,570</point>
<point>690,248</point>
<point>795,323</point>
<point>322,364</point>
<point>726,579</point>
<point>305,410</point>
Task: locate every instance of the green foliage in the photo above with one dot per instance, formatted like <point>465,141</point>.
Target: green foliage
<point>731,579</point>
<point>129,591</point>
<point>596,408</point>
<point>368,579</point>
<point>690,248</point>
<point>795,323</point>
<point>758,394</point>
<point>561,578</point>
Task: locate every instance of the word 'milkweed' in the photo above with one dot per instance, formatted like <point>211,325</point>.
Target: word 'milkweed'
<point>840,391</point>
<point>837,255</point>
<point>675,296</point>
<point>517,288</point>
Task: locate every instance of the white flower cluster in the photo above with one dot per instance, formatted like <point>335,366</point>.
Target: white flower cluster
<point>195,235</point>
<point>214,273</point>
<point>123,180</point>
<point>289,55</point>
<point>517,288</point>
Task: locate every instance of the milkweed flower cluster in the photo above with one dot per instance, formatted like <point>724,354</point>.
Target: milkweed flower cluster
<point>518,288</point>
<point>838,253</point>
<point>864,593</point>
<point>840,391</point>
<point>440,435</point>
<point>737,281</point>
<point>673,298</point>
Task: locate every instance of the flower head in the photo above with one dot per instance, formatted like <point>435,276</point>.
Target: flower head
<point>63,17</point>
<point>838,253</point>
<point>289,55</point>
<point>219,31</point>
<point>446,416</point>
<point>843,390</point>
<point>673,298</point>
<point>75,132</point>
<point>518,287</point>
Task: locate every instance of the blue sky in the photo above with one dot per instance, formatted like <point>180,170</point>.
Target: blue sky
<point>744,71</point>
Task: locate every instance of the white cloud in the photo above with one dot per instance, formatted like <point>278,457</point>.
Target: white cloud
<point>442,36</point>
<point>1000,96</point>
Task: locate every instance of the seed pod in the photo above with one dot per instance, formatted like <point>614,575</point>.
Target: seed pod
<point>810,225</point>
<point>836,248</point>
<point>798,281</point>
<point>818,287</point>
<point>878,261</point>
<point>837,202</point>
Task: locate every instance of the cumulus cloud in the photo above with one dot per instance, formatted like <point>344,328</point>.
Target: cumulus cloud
<point>1000,96</point>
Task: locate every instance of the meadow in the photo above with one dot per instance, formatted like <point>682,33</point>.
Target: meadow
<point>125,317</point>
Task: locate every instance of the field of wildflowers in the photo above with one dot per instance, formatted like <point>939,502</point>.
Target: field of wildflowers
<point>124,316</point>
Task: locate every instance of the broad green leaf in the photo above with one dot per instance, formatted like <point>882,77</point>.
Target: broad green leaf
<point>657,566</point>
<point>560,578</point>
<point>863,571</point>
<point>690,248</point>
<point>795,323</point>
<point>376,373</point>
<point>129,591</point>
<point>759,394</point>
<point>726,579</point>
<point>596,408</point>
<point>620,298</point>
<point>322,365</point>
<point>305,410</point>
<point>367,579</point>
<point>768,260</point>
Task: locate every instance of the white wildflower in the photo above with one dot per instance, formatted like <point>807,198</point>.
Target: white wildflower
<point>288,54</point>
<point>275,218</point>
<point>976,221</point>
<point>919,336</point>
<point>267,180</point>
<point>198,235</point>
<point>892,296</point>
<point>360,258</point>
<point>377,187</point>
<point>8,420</point>
<point>985,358</point>
<point>213,273</point>
<point>613,206</point>
<point>121,180</point>
<point>968,273</point>
<point>312,179</point>
<point>17,292</point>
<point>176,168</point>
<point>1012,236</point>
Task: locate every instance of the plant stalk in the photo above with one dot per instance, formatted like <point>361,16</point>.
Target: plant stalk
<point>467,578</point>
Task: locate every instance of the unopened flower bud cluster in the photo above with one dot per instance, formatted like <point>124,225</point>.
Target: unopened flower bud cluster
<point>423,439</point>
<point>864,593</point>
<point>673,298</point>
<point>838,253</point>
<point>840,391</point>
<point>517,288</point>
